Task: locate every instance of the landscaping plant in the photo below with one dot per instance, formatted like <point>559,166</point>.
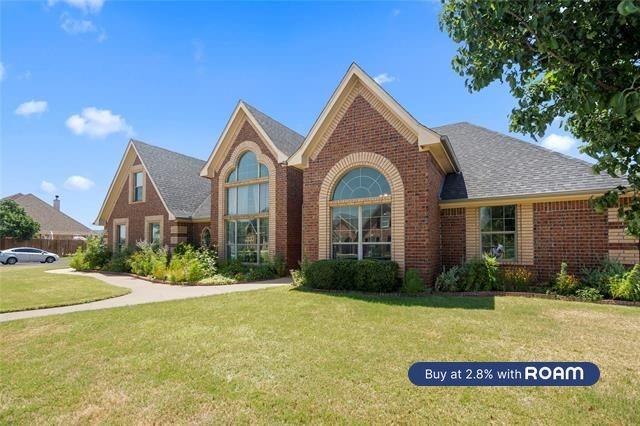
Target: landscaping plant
<point>589,294</point>
<point>480,274</point>
<point>449,279</point>
<point>601,276</point>
<point>148,260</point>
<point>566,284</point>
<point>360,275</point>
<point>412,282</point>
<point>94,256</point>
<point>627,287</point>
<point>515,278</point>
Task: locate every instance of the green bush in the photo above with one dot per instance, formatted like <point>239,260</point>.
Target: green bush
<point>217,280</point>
<point>185,267</point>
<point>566,284</point>
<point>412,282</point>
<point>449,279</point>
<point>279,265</point>
<point>589,294</point>
<point>480,274</point>
<point>148,260</point>
<point>601,276</point>
<point>231,268</point>
<point>360,275</point>
<point>119,261</point>
<point>515,278</point>
<point>261,272</point>
<point>94,256</point>
<point>208,259</point>
<point>299,275</point>
<point>627,287</point>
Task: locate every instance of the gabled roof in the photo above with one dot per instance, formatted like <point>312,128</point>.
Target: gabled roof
<point>285,139</point>
<point>280,139</point>
<point>497,165</point>
<point>175,177</point>
<point>51,220</point>
<point>427,139</point>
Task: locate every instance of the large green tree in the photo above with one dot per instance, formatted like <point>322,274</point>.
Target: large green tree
<point>575,60</point>
<point>15,223</point>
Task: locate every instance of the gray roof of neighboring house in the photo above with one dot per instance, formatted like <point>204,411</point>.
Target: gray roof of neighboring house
<point>287,140</point>
<point>177,178</point>
<point>50,219</point>
<point>496,165</point>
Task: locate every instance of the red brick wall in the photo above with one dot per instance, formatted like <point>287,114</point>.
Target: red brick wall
<point>288,203</point>
<point>453,242</point>
<point>567,231</point>
<point>194,231</point>
<point>363,129</point>
<point>152,206</point>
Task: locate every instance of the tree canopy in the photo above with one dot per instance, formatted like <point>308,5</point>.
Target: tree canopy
<point>15,223</point>
<point>577,61</point>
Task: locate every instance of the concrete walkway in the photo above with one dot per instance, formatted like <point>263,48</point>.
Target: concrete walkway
<point>141,292</point>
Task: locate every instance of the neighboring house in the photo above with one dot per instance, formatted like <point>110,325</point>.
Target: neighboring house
<point>370,181</point>
<point>54,224</point>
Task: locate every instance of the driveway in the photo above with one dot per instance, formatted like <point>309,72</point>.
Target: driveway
<point>141,292</point>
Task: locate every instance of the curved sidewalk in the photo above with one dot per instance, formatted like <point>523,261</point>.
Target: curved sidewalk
<point>142,291</point>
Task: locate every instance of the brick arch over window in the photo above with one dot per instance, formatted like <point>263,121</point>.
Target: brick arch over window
<point>222,202</point>
<point>384,166</point>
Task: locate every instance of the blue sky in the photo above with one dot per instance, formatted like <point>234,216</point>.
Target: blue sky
<point>80,77</point>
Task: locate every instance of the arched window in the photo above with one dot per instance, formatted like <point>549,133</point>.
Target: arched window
<point>359,229</point>
<point>205,237</point>
<point>247,210</point>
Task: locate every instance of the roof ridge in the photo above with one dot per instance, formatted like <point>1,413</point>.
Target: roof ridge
<point>268,116</point>
<point>534,145</point>
<point>137,141</point>
<point>55,210</point>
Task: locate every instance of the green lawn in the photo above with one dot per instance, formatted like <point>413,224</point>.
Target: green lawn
<point>282,355</point>
<point>29,287</point>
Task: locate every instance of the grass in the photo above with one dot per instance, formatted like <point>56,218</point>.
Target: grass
<point>28,287</point>
<point>288,356</point>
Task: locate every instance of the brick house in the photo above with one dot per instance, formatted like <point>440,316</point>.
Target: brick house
<point>370,181</point>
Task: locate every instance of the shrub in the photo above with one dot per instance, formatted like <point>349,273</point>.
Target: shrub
<point>600,277</point>
<point>182,248</point>
<point>185,267</point>
<point>217,280</point>
<point>589,294</point>
<point>279,265</point>
<point>148,260</point>
<point>119,261</point>
<point>94,256</point>
<point>299,275</point>
<point>566,283</point>
<point>208,259</point>
<point>261,272</point>
<point>627,287</point>
<point>515,278</point>
<point>480,274</point>
<point>231,268</point>
<point>449,280</point>
<point>412,282</point>
<point>361,275</point>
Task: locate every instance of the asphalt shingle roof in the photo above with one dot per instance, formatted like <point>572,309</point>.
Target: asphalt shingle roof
<point>50,219</point>
<point>287,140</point>
<point>494,165</point>
<point>177,177</point>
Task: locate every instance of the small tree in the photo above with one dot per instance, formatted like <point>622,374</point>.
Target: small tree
<point>15,223</point>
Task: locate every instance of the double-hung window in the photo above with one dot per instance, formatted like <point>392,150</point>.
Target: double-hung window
<point>121,237</point>
<point>498,231</point>
<point>138,186</point>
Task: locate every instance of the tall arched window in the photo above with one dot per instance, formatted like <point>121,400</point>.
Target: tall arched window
<point>247,210</point>
<point>361,216</point>
<point>205,237</point>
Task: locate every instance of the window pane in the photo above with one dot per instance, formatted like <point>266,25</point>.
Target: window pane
<point>122,232</point>
<point>138,179</point>
<point>231,177</point>
<point>264,231</point>
<point>376,251</point>
<point>154,232</point>
<point>264,197</point>
<point>264,172</point>
<point>138,194</point>
<point>485,219</point>
<point>248,166</point>
<point>345,251</point>
<point>248,199</point>
<point>345,224</point>
<point>206,237</point>
<point>232,200</point>
<point>361,182</point>
<point>509,211</point>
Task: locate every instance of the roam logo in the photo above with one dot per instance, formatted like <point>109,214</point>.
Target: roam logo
<point>504,373</point>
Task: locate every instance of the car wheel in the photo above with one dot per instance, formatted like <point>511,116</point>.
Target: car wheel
<point>50,259</point>
<point>11,261</point>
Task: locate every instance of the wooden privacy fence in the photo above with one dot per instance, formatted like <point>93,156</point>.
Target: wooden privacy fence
<point>59,247</point>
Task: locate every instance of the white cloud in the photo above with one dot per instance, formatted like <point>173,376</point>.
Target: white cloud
<point>384,78</point>
<point>102,36</point>
<point>48,187</point>
<point>1,71</point>
<point>91,6</point>
<point>97,123</point>
<point>76,26</point>
<point>559,143</point>
<point>29,108</point>
<point>78,183</point>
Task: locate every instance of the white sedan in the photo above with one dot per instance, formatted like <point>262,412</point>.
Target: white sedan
<point>27,254</point>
